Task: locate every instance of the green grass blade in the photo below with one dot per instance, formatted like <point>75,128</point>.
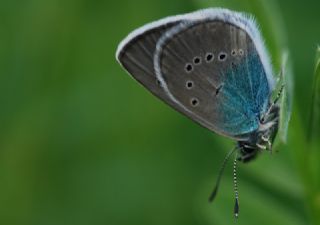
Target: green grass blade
<point>286,98</point>
<point>314,127</point>
<point>313,139</point>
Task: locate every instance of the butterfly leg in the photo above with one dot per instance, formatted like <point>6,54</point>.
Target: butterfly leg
<point>247,157</point>
<point>261,146</point>
<point>266,139</point>
<point>269,146</point>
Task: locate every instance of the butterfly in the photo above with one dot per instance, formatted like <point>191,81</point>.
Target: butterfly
<point>212,66</point>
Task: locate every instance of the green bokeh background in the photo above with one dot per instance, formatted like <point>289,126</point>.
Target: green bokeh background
<point>82,143</point>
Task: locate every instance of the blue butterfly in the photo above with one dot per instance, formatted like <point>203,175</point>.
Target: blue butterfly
<point>212,66</point>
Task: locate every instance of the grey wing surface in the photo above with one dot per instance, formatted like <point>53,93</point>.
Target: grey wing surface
<point>136,55</point>
<point>212,70</point>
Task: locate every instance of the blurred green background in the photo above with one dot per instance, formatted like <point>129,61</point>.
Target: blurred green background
<point>82,143</point>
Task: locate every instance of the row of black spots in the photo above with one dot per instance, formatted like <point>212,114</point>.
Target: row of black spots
<point>190,66</point>
<point>194,102</point>
<point>209,57</point>
<point>234,52</point>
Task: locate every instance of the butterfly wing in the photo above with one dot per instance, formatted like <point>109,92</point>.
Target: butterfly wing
<point>208,67</point>
<point>135,54</point>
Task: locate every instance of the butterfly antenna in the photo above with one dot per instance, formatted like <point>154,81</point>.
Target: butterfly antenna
<point>235,183</point>
<point>224,163</point>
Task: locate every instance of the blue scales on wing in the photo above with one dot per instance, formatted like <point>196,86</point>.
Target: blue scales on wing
<point>244,96</point>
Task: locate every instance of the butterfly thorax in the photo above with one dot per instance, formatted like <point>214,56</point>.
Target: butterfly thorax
<point>262,138</point>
